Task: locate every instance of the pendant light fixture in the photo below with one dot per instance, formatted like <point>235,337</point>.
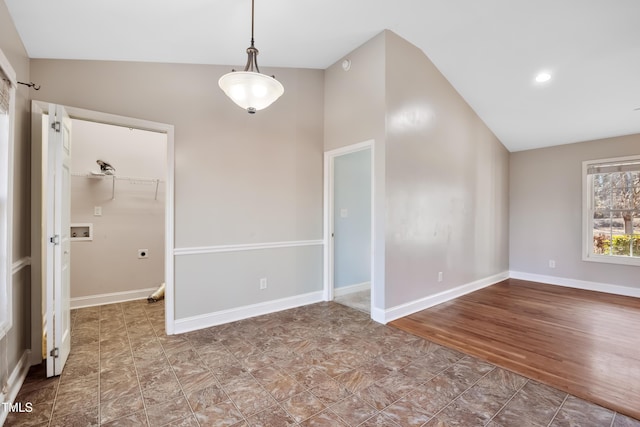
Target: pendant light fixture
<point>251,89</point>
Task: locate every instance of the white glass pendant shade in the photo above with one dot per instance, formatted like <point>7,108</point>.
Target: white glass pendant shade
<point>251,91</point>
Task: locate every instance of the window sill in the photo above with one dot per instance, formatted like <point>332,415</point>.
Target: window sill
<point>632,261</point>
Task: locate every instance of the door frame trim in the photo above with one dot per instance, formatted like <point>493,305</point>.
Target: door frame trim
<point>169,245</point>
<point>329,181</point>
<point>7,184</point>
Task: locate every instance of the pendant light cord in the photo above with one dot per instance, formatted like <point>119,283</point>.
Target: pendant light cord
<point>252,13</point>
<point>252,60</point>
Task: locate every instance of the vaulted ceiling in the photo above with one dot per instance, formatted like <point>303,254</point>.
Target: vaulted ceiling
<point>490,50</point>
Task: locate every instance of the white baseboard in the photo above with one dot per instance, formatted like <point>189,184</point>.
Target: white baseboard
<point>393,313</point>
<point>578,284</point>
<point>378,315</point>
<point>111,298</point>
<point>346,290</point>
<point>16,379</point>
<point>225,316</point>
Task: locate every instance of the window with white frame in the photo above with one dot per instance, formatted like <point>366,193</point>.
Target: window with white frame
<point>612,210</point>
<point>7,96</point>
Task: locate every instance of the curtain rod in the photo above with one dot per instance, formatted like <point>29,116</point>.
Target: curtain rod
<point>30,84</point>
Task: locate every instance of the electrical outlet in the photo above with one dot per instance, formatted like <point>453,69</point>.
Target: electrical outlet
<point>97,211</point>
<point>263,283</point>
<point>143,253</point>
<point>440,276</point>
<point>552,263</point>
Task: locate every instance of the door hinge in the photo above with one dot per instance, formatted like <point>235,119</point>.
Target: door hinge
<point>55,352</point>
<point>55,126</point>
<point>55,239</point>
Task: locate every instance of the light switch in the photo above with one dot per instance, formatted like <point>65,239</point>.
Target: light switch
<point>344,213</point>
<point>97,211</point>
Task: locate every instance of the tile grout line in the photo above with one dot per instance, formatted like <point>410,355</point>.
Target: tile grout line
<point>155,334</point>
<point>219,384</point>
<point>306,390</point>
<point>378,412</point>
<point>172,370</point>
<point>259,384</point>
<point>191,347</point>
<point>279,404</point>
<point>558,410</point>
<point>509,400</point>
<point>329,407</point>
<point>126,326</point>
<point>55,398</point>
<point>99,363</point>
<point>464,391</point>
<point>423,382</point>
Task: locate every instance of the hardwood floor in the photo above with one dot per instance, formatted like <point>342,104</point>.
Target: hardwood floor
<point>584,343</point>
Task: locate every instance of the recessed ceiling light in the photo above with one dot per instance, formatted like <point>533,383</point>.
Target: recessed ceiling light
<point>543,77</point>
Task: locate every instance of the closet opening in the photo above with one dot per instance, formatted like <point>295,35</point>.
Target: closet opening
<point>118,195</point>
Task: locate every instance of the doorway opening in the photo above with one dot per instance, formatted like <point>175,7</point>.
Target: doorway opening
<point>110,210</point>
<point>349,226</point>
<point>118,191</point>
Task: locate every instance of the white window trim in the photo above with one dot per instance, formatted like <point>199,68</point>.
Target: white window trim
<point>587,217</point>
<point>6,223</point>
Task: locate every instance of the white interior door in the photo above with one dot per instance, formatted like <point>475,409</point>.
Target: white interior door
<point>57,205</point>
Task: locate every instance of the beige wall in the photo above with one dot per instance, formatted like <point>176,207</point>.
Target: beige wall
<point>441,176</point>
<point>17,339</point>
<point>354,108</point>
<point>446,183</point>
<point>239,178</point>
<point>13,49</point>
<point>355,112</point>
<point>132,216</point>
<point>546,211</point>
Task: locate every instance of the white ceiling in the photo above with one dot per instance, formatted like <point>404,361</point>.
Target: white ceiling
<point>490,50</point>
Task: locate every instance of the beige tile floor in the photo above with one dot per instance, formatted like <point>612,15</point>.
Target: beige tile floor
<point>359,300</point>
<point>319,365</point>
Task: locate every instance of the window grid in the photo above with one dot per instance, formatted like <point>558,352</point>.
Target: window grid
<point>613,210</point>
